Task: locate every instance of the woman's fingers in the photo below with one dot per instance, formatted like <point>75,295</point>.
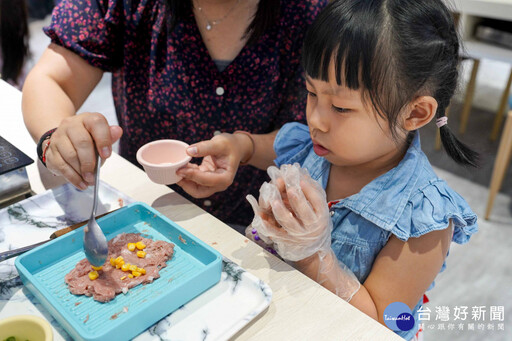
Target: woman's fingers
<point>217,170</point>
<point>83,152</point>
<point>116,132</point>
<point>58,166</point>
<point>205,148</point>
<point>195,190</point>
<point>208,165</point>
<point>218,179</point>
<point>61,145</point>
<point>97,126</point>
<point>201,182</point>
<point>73,146</point>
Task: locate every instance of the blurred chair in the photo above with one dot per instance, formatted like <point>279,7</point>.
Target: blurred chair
<point>498,119</point>
<point>501,163</point>
<point>468,102</point>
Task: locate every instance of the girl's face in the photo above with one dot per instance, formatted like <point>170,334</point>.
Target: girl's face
<point>344,130</point>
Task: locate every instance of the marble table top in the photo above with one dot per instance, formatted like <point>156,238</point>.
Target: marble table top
<point>217,314</point>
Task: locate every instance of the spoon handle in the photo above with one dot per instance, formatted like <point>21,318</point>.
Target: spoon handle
<point>96,186</point>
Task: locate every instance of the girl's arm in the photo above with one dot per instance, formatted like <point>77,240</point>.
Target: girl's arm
<point>292,213</point>
<point>222,157</point>
<point>402,272</point>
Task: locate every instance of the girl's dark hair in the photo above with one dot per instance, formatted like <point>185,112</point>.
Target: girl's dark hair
<point>395,51</point>
<point>13,38</point>
<point>265,17</point>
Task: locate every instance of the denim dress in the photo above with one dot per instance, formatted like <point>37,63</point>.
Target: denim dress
<point>407,201</point>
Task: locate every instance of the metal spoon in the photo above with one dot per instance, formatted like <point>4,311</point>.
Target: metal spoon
<point>95,242</point>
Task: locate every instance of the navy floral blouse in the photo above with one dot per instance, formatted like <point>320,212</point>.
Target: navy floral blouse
<point>166,85</point>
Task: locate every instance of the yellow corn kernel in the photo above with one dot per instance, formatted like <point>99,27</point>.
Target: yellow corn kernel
<point>120,264</point>
<point>112,261</point>
<point>132,267</point>
<point>131,246</point>
<point>136,273</point>
<point>140,245</point>
<point>141,270</point>
<point>130,275</point>
<point>122,278</point>
<point>93,275</point>
<point>119,259</point>
<point>96,267</point>
<point>141,254</point>
<point>125,267</point>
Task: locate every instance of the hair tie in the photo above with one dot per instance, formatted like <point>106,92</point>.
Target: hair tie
<point>441,121</point>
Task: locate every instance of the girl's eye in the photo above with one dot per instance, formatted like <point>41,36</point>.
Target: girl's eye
<point>311,94</point>
<point>340,110</point>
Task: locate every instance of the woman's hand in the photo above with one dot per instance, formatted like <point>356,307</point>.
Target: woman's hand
<point>221,158</point>
<point>73,147</point>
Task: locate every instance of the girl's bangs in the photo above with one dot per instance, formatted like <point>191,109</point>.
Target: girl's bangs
<point>346,36</point>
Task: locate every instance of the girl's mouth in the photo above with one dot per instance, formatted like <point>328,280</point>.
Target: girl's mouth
<point>320,150</point>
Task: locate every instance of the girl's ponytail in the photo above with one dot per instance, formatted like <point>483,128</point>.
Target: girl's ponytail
<point>457,150</point>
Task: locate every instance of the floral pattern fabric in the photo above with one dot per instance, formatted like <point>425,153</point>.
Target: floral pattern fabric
<point>166,85</point>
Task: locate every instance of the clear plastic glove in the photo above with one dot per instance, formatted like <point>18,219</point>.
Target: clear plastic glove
<point>292,213</point>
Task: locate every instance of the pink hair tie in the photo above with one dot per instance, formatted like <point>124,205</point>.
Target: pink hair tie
<point>441,121</point>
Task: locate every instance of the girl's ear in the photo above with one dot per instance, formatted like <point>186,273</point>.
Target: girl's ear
<point>419,112</point>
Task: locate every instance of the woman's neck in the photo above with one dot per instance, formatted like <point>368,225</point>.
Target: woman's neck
<point>345,181</point>
<point>222,25</point>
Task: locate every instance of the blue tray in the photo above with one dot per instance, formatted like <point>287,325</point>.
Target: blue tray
<point>194,268</point>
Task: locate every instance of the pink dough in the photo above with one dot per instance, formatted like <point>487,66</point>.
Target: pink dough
<point>109,283</point>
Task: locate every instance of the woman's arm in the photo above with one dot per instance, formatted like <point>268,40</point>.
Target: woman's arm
<point>54,90</point>
<point>402,272</point>
<point>263,154</point>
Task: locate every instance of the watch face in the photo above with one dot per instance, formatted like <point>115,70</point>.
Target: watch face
<point>11,158</point>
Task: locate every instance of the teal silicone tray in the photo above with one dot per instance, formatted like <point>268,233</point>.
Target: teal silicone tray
<point>194,268</point>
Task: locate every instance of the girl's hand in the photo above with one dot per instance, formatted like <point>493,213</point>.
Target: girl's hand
<point>292,212</point>
<point>73,147</point>
<point>221,158</point>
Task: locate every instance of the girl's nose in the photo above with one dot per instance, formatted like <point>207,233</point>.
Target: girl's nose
<point>318,120</point>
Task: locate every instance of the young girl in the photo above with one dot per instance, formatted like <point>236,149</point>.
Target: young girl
<point>371,222</point>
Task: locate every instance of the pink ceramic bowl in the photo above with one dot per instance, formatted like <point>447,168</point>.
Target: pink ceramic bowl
<point>161,159</point>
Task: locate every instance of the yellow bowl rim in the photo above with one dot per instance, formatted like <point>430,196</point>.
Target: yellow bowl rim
<point>47,329</point>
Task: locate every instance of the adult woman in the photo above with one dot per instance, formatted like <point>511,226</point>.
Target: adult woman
<point>169,79</point>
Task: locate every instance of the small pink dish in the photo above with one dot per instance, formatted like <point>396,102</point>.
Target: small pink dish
<point>162,158</point>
